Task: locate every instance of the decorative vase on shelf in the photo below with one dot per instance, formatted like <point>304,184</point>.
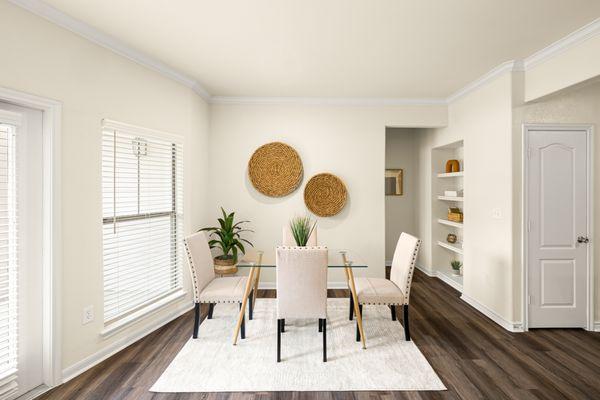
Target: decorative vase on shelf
<point>451,238</point>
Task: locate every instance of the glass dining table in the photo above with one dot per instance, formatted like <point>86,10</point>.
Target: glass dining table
<point>337,258</point>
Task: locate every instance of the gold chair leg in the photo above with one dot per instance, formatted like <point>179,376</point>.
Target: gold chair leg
<point>249,285</point>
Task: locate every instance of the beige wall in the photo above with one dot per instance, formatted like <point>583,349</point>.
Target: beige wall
<point>483,119</point>
<point>578,105</point>
<point>93,83</point>
<point>567,68</point>
<point>346,141</point>
<point>400,146</point>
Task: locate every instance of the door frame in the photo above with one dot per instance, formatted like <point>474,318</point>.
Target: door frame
<point>589,130</point>
<point>51,237</point>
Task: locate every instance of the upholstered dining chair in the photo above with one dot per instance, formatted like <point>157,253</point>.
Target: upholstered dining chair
<point>301,288</point>
<point>396,290</point>
<point>288,237</point>
<point>207,287</point>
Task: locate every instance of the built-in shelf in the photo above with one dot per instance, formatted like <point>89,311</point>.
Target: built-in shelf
<point>451,174</point>
<point>446,275</point>
<point>452,247</point>
<point>450,198</point>
<point>450,223</point>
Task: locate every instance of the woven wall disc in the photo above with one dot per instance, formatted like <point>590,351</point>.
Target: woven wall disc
<point>325,195</point>
<point>275,169</point>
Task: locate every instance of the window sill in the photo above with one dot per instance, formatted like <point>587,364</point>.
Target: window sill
<point>119,325</point>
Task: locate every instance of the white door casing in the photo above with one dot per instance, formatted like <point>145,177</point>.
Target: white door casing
<point>557,210</point>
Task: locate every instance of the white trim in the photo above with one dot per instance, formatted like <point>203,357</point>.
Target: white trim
<point>325,101</point>
<point>96,358</point>
<point>330,285</point>
<point>429,272</point>
<point>497,318</point>
<point>508,66</point>
<point>109,42</point>
<point>596,326</point>
<point>116,326</point>
<point>449,281</point>
<point>571,40</point>
<point>52,245</point>
<point>11,117</point>
<point>34,393</point>
<point>589,129</point>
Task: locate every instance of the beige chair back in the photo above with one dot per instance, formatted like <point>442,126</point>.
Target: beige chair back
<point>288,237</point>
<point>403,263</point>
<point>200,261</point>
<point>301,282</point>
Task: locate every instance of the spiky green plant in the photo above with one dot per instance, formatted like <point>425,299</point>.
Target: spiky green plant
<point>302,228</point>
<point>456,265</point>
<point>227,236</point>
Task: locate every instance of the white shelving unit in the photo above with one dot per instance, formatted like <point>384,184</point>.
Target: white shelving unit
<point>444,252</point>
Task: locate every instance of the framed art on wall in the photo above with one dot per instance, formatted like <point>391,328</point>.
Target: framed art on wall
<point>393,182</point>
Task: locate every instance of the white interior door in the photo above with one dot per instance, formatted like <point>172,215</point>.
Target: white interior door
<point>21,218</point>
<point>558,228</point>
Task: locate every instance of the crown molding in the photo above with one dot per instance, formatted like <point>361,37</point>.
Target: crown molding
<point>109,42</point>
<point>508,66</point>
<point>325,101</point>
<point>571,40</point>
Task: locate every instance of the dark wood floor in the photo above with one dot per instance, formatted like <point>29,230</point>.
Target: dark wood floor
<point>475,358</point>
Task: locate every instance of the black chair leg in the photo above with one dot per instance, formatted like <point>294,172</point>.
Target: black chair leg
<point>282,325</point>
<point>243,327</point>
<point>323,323</point>
<point>351,307</point>
<point>357,330</point>
<point>279,323</point>
<point>406,328</point>
<point>211,307</point>
<point>250,306</point>
<point>393,307</point>
<point>196,319</point>
<point>320,325</point>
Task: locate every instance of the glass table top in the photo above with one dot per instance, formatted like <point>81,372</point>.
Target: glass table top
<point>337,258</point>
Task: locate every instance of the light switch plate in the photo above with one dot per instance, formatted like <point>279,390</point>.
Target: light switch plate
<point>497,213</point>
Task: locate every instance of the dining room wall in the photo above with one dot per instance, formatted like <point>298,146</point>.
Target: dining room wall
<point>400,216</point>
<point>348,141</point>
<point>92,83</point>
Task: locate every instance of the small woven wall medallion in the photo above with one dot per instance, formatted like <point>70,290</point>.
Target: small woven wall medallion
<point>325,195</point>
<point>275,169</point>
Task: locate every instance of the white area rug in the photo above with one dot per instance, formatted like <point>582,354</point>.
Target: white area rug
<point>212,364</point>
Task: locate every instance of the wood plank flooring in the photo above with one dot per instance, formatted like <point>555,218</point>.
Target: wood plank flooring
<point>475,358</point>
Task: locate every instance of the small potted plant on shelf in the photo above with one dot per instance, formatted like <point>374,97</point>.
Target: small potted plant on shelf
<point>302,228</point>
<point>227,237</point>
<point>456,266</point>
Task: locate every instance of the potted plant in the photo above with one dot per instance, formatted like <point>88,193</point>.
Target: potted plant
<point>456,265</point>
<point>302,228</point>
<point>227,237</point>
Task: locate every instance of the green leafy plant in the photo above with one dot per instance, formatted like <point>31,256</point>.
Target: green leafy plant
<point>302,228</point>
<point>456,265</point>
<point>227,236</point>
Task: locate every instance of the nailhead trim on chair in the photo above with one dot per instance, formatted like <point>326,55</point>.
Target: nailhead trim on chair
<point>193,273</point>
<point>411,271</point>
<point>302,247</point>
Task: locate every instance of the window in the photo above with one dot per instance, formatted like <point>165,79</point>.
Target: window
<point>142,198</point>
<point>8,259</point>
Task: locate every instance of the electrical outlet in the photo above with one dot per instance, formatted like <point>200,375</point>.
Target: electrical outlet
<point>88,315</point>
<point>497,213</point>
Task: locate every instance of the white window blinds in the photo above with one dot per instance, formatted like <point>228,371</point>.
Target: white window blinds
<point>8,260</point>
<point>142,196</point>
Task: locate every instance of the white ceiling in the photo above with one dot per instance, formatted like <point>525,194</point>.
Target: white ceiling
<point>334,48</point>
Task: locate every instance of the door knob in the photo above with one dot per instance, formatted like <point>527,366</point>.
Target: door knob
<point>583,239</point>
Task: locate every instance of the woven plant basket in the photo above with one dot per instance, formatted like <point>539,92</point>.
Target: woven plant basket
<point>275,169</point>
<point>224,267</point>
<point>325,195</point>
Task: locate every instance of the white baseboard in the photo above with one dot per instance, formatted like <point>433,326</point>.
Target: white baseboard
<point>449,281</point>
<point>330,285</point>
<point>96,358</point>
<point>429,272</point>
<point>33,393</point>
<point>597,326</point>
<point>508,325</point>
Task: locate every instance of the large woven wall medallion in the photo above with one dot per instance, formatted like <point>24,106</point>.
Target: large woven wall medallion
<point>325,195</point>
<point>275,169</point>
